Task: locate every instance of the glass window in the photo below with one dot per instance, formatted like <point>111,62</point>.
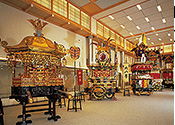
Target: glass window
<point>45,3</point>
<point>106,32</point>
<point>60,7</point>
<point>167,48</point>
<point>85,20</point>
<point>99,29</point>
<point>74,14</point>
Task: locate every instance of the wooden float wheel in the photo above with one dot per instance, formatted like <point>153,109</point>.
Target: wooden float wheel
<point>98,92</point>
<point>109,95</point>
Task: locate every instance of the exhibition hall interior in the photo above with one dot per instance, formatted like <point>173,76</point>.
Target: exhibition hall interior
<point>87,62</point>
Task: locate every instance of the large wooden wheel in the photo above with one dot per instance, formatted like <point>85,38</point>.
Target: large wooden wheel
<point>98,92</point>
<point>109,95</point>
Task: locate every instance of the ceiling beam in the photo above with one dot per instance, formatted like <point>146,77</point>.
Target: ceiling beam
<point>122,9</point>
<point>149,31</point>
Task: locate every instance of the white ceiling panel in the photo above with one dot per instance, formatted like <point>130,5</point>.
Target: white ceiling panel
<point>122,20</point>
<point>146,29</point>
<point>162,1</point>
<point>106,3</point>
<point>159,26</point>
<point>157,22</point>
<point>106,19</point>
<point>169,4</point>
<point>145,25</point>
<point>80,3</point>
<point>124,32</point>
<point>167,13</point>
<point>137,15</point>
<point>119,14</point>
<point>149,4</point>
<point>131,10</point>
<point>140,21</point>
<point>155,17</point>
<point>129,24</point>
<point>150,11</point>
<point>169,23</point>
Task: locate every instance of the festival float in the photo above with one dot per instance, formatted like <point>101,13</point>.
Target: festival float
<point>102,76</point>
<point>40,60</point>
<point>141,69</point>
<point>167,71</point>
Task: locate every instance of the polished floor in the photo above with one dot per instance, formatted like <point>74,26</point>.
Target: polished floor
<point>157,109</point>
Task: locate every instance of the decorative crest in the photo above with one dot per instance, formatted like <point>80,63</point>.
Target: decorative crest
<point>38,24</point>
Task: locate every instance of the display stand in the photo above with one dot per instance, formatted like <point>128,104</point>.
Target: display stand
<point>1,113</point>
<point>75,54</point>
<point>141,69</point>
<point>102,77</point>
<point>40,60</point>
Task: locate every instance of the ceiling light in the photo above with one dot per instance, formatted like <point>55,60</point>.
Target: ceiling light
<point>169,34</point>
<point>111,17</point>
<point>152,28</point>
<point>139,7</point>
<point>160,39</point>
<point>137,38</point>
<point>31,5</point>
<point>52,15</point>
<point>162,43</point>
<point>131,33</point>
<point>146,18</point>
<point>163,20</point>
<point>148,38</point>
<point>171,40</point>
<point>159,8</point>
<point>68,22</point>
<point>152,43</point>
<point>129,18</point>
<point>122,26</point>
<point>138,27</point>
<point>157,34</point>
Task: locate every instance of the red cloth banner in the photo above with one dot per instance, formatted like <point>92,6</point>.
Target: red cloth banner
<point>155,75</point>
<point>80,77</point>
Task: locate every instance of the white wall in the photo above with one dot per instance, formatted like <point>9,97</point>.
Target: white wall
<point>14,27</point>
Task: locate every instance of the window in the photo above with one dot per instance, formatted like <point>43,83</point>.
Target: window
<point>117,39</point>
<point>167,48</point>
<point>112,34</point>
<point>106,32</point>
<point>74,14</point>
<point>85,20</point>
<point>60,7</point>
<point>99,29</point>
<point>45,3</point>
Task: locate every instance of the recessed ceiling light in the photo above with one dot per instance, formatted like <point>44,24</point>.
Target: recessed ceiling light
<point>163,20</point>
<point>171,40</point>
<point>160,39</point>
<point>53,15</point>
<point>129,18</point>
<point>138,27</point>
<point>157,34</point>
<point>122,26</point>
<point>169,34</point>
<point>139,7</point>
<point>152,28</point>
<point>131,33</point>
<point>68,22</point>
<point>146,18</point>
<point>152,43</point>
<point>148,38</point>
<point>162,43</point>
<point>137,38</point>
<point>111,17</point>
<point>159,8</point>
